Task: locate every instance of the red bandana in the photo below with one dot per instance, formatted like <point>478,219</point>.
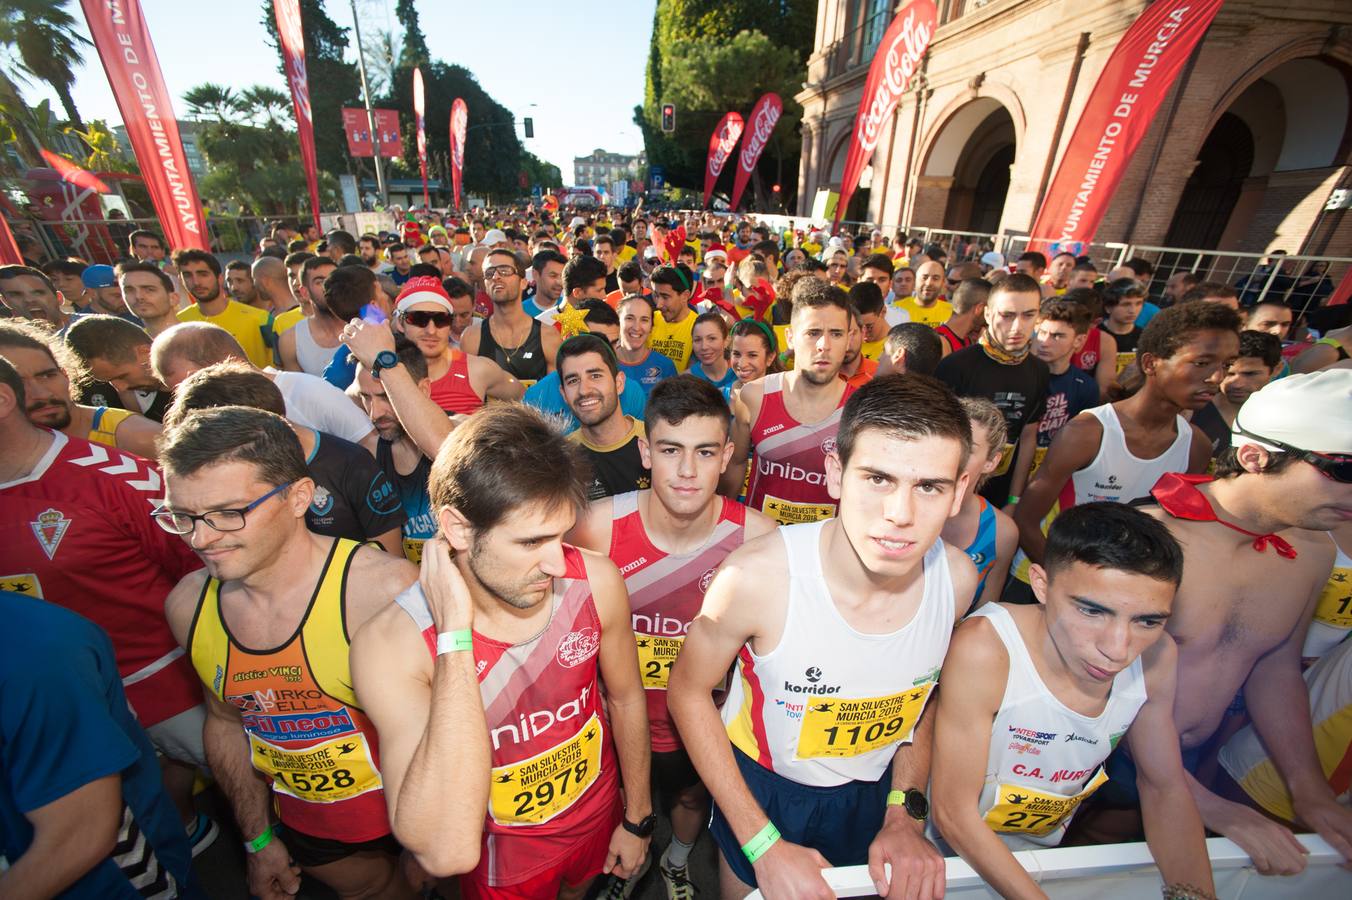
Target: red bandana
<point>1178,496</point>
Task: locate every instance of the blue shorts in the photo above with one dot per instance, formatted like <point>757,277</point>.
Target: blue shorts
<point>838,822</point>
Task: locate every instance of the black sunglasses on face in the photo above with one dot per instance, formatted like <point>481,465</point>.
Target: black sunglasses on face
<point>1337,466</point>
<point>421,318</point>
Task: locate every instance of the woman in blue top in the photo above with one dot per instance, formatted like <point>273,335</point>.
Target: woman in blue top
<point>710,337</point>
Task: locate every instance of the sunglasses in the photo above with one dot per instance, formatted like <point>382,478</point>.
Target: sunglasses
<point>421,318</point>
<point>500,272</point>
<point>1337,466</point>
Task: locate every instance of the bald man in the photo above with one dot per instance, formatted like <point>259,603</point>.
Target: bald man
<point>928,306</point>
<point>270,278</point>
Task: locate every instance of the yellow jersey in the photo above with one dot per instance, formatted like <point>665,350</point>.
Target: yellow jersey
<point>873,349</point>
<point>932,316</point>
<point>283,322</point>
<point>252,327</point>
<point>675,341</point>
<point>104,429</point>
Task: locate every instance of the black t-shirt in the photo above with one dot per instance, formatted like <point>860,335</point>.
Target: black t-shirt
<point>1020,391</point>
<point>617,469</point>
<point>613,281</point>
<point>1126,343</point>
<point>1212,423</point>
<point>353,497</point>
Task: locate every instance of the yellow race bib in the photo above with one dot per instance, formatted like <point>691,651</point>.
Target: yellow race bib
<point>836,726</point>
<point>1335,603</point>
<point>26,584</point>
<point>1020,809</point>
<point>536,790</point>
<point>1006,459</point>
<point>655,656</point>
<point>413,549</point>
<point>326,773</point>
<point>787,512</point>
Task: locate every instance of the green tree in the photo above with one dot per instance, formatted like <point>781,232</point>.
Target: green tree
<point>415,51</point>
<point>42,35</point>
<point>209,101</point>
<point>265,105</point>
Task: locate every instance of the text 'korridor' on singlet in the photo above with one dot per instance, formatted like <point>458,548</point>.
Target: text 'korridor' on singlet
<point>1045,758</point>
<point>665,594</point>
<point>554,764</point>
<point>306,732</point>
<point>830,704</point>
<point>788,482</point>
<point>525,362</point>
<point>1333,612</point>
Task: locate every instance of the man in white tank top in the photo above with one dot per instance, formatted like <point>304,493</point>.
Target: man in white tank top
<point>1118,451</point>
<point>1036,696</point>
<point>839,629</point>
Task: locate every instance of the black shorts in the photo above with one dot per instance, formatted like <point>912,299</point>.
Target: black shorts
<point>309,851</point>
<point>673,772</point>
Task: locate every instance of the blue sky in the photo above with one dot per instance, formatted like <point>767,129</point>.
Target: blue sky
<point>582,66</point>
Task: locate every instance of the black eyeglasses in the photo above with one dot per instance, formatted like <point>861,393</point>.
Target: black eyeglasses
<point>421,318</point>
<point>1337,466</point>
<point>219,519</point>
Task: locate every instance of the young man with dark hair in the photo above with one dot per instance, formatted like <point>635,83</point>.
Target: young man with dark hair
<point>838,629</point>
<point>1090,661</point>
<point>603,248</point>
<point>789,419</point>
<point>1122,303</point>
<point>310,344</point>
<point>878,268</point>
<point>29,294</point>
<point>1212,292</point>
<point>538,627</point>
<point>969,309</point>
<point>1259,359</point>
<point>66,277</point>
<point>666,541</point>
<point>240,286</point>
<point>548,268</point>
<point>1084,275</point>
<point>546,394</point>
<point>200,273</point>
<point>340,244</point>
<point>517,342</point>
<point>1272,316</point>
<point>674,324</point>
<point>591,382</point>
<point>401,261</point>
<point>867,299</point>
<point>115,351</point>
<point>911,348</point>
<point>148,247</point>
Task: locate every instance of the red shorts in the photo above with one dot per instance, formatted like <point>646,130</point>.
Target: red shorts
<point>582,862</point>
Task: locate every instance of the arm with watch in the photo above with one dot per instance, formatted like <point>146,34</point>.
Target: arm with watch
<point>917,866</point>
<point>425,422</point>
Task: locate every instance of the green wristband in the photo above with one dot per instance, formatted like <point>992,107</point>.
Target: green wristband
<point>455,641</point>
<point>896,798</point>
<point>764,840</point>
<point>259,842</point>
<point>1012,499</point>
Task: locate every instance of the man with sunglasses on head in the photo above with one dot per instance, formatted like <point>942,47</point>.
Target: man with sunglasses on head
<point>518,343</point>
<point>460,380</point>
<point>1256,558</point>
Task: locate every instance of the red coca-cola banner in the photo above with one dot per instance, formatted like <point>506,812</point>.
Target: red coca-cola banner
<point>293,54</point>
<point>358,131</point>
<point>459,120</point>
<point>418,108</point>
<point>759,125</point>
<point>894,62</point>
<point>721,143</point>
<point>1116,117</point>
<point>128,56</point>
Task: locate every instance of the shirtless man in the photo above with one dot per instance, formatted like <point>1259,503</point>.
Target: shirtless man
<point>1256,559</point>
<point>1332,348</point>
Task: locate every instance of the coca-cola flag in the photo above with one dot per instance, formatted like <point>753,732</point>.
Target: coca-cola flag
<point>721,143</point>
<point>759,125</point>
<point>358,130</point>
<point>459,119</point>
<point>123,40</point>
<point>422,133</point>
<point>1116,117</point>
<point>293,54</point>
<point>894,62</point>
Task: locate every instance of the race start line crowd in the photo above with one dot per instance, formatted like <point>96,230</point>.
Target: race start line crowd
<point>451,557</point>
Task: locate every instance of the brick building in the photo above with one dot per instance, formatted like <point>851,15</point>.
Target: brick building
<point>1247,148</point>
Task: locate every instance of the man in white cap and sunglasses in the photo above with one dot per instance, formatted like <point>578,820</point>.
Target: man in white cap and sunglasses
<point>460,382</point>
<point>1256,558</point>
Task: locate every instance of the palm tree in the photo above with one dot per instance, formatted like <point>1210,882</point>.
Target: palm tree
<point>43,36</point>
<point>213,101</point>
<point>266,103</point>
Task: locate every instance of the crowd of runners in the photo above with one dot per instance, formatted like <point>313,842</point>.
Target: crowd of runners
<point>451,558</point>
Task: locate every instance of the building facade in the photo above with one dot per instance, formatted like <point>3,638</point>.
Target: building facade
<point>1248,147</point>
<point>188,132</point>
<point>602,168</point>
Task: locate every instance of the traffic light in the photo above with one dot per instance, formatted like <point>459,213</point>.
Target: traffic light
<point>530,127</point>
<point>668,117</point>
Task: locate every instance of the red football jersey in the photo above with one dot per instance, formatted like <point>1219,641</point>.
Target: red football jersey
<point>78,532</point>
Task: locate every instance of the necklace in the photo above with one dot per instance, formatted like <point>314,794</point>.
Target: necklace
<point>510,352</point>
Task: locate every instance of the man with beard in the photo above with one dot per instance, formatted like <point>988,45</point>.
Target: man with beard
<point>928,306</point>
<point>310,344</point>
<point>239,284</point>
<point>789,419</point>
<point>519,344</point>
<point>201,275</point>
<point>368,248</point>
<point>591,382</point>
<point>547,266</point>
<point>29,294</point>
<point>117,352</point>
<point>151,295</point>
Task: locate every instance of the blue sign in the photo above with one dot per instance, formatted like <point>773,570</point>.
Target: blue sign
<point>657,177</point>
<point>537,191</point>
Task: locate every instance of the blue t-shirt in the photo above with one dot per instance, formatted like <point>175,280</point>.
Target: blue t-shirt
<point>653,369</point>
<point>1148,312</point>
<point>723,384</point>
<point>530,307</point>
<point>1068,395</point>
<point>64,723</point>
<point>545,396</point>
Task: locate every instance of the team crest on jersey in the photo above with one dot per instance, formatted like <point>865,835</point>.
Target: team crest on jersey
<point>322,502</point>
<point>707,579</point>
<point>829,446</point>
<point>577,647</point>
<point>49,528</point>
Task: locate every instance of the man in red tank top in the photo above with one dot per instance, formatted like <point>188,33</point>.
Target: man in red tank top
<point>668,542</point>
<point>789,420</point>
<point>539,626</point>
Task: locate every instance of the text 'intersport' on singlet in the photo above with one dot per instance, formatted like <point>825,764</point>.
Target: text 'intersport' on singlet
<point>306,732</point>
<point>666,592</point>
<point>554,764</point>
<point>788,481</point>
<point>829,704</point>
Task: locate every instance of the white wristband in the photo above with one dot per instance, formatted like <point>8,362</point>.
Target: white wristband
<point>454,641</point>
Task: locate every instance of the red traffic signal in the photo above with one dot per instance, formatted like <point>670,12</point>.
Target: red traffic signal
<point>668,117</point>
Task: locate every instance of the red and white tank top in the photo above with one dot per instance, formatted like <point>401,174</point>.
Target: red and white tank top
<point>554,766</point>
<point>788,482</point>
<point>453,391</point>
<point>1088,357</point>
<point>665,594</point>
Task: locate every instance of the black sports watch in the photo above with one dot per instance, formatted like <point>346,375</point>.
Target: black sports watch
<point>643,829</point>
<point>916,804</point>
<point>385,359</point>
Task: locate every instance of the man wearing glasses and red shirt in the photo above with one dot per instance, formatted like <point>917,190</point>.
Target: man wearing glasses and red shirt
<point>461,381</point>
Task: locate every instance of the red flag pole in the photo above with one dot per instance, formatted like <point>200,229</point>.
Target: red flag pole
<point>760,124</point>
<point>9,248</point>
<point>293,51</point>
<point>418,108</point>
<point>721,142</point>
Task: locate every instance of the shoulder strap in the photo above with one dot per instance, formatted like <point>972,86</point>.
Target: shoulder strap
<point>324,632</point>
<point>208,644</point>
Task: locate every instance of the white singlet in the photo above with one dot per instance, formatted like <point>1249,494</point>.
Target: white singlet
<point>830,704</point>
<point>313,358</point>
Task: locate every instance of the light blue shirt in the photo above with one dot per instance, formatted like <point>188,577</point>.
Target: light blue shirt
<point>546,396</point>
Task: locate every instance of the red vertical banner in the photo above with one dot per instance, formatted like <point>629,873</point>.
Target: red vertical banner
<point>721,143</point>
<point>123,40</point>
<point>9,248</point>
<point>759,126</point>
<point>1116,117</point>
<point>418,108</point>
<point>293,53</point>
<point>894,62</point>
<point>459,121</point>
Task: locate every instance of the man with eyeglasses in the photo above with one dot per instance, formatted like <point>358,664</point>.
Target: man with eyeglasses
<point>461,381</point>
<point>1256,559</point>
<point>267,625</point>
<point>516,342</point>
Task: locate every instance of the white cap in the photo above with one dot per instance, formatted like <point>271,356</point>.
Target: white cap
<point>495,236</point>
<point>993,258</point>
<point>577,220</point>
<point>650,252</point>
<point>721,254</point>
<point>1308,412</point>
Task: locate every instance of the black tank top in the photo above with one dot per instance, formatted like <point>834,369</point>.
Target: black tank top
<point>525,363</point>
